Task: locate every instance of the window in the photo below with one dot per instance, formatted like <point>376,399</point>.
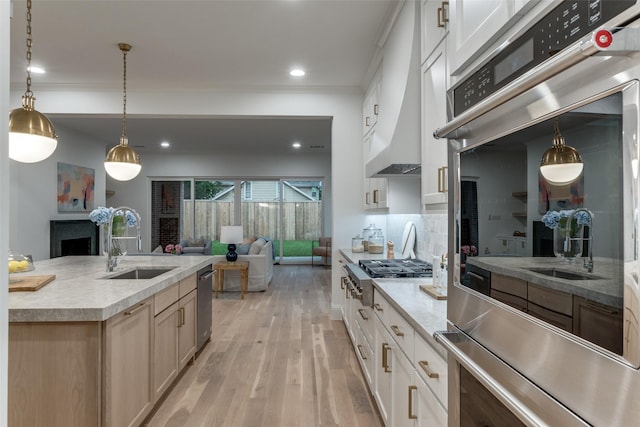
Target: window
<point>248,190</point>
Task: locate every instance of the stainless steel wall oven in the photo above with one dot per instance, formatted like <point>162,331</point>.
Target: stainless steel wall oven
<point>552,336</point>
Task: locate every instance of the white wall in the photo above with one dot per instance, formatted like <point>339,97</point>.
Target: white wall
<point>4,203</point>
<point>33,190</point>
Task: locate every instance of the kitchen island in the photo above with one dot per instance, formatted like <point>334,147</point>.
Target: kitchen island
<point>601,285</point>
<point>91,350</point>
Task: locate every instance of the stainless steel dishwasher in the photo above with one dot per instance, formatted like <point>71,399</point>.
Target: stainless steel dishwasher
<point>205,298</point>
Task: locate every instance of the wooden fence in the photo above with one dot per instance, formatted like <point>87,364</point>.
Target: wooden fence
<point>301,220</point>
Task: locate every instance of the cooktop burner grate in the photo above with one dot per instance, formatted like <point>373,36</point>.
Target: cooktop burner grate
<point>396,268</point>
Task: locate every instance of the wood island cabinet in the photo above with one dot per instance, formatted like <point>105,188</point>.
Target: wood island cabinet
<point>175,332</point>
<point>101,373</point>
<point>128,396</point>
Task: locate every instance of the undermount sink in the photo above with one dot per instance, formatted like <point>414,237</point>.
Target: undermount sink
<point>142,273</point>
<point>563,274</point>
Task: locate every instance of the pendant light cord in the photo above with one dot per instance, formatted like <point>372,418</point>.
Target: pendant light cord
<point>29,93</point>
<point>124,92</point>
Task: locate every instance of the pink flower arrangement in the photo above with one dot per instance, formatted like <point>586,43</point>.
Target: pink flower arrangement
<point>173,249</point>
<point>469,250</point>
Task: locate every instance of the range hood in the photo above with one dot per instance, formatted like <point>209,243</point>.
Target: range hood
<point>395,144</point>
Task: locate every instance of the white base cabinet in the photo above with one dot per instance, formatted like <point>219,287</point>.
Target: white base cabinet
<point>406,375</point>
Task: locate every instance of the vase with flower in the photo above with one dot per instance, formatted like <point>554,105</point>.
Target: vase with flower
<point>568,231</point>
<point>120,220</point>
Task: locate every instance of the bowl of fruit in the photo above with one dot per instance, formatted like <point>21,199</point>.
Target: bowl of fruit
<point>18,264</point>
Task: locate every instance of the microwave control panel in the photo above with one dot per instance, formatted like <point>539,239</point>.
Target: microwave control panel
<point>561,27</point>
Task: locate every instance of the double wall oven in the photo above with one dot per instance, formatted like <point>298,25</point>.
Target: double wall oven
<point>550,335</point>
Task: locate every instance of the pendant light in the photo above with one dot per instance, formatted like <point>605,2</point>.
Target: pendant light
<point>560,164</point>
<point>122,162</point>
<point>32,137</point>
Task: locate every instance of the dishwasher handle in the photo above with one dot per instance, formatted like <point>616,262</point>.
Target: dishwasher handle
<point>206,275</point>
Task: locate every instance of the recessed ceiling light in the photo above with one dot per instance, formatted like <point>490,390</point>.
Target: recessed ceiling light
<point>296,145</point>
<point>36,70</point>
<point>297,72</point>
<point>165,144</point>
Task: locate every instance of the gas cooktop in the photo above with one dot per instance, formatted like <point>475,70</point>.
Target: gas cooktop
<point>396,268</point>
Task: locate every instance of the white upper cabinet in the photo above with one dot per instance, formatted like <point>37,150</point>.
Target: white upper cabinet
<point>475,24</point>
<point>434,25</point>
<point>371,105</point>
<point>434,151</point>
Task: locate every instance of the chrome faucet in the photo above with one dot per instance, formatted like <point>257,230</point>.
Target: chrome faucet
<point>588,264</point>
<point>112,262</point>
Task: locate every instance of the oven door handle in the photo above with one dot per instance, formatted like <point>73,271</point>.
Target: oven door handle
<point>448,340</point>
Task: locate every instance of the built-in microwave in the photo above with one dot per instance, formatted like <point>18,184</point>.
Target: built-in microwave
<point>557,322</point>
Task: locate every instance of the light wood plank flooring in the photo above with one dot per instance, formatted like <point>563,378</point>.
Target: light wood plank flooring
<point>275,359</point>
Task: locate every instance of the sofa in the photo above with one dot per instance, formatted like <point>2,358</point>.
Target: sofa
<point>196,247</point>
<point>260,257</point>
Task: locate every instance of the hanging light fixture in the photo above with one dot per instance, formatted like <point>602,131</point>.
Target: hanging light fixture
<point>32,137</point>
<point>122,162</point>
<point>560,164</point>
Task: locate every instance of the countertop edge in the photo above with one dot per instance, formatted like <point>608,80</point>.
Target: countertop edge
<point>98,314</point>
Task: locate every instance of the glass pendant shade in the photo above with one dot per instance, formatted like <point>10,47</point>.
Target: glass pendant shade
<point>32,137</point>
<point>122,162</point>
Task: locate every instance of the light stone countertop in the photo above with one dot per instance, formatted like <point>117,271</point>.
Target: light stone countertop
<point>354,257</point>
<point>81,292</point>
<point>426,314</point>
<point>605,288</point>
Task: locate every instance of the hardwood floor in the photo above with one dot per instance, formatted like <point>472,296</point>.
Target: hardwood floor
<point>275,359</point>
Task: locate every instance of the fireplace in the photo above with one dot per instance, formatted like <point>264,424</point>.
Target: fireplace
<point>73,237</point>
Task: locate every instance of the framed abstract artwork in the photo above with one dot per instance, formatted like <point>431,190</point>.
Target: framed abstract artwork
<point>75,188</point>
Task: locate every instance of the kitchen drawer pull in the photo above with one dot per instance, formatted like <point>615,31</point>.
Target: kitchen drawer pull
<point>135,310</point>
<point>425,367</point>
<point>378,307</point>
<point>361,352</point>
<point>367,121</point>
<point>361,311</point>
<point>385,357</point>
<point>342,285</point>
<point>397,331</point>
<point>375,196</point>
<point>375,109</point>
<point>366,198</point>
<point>412,388</point>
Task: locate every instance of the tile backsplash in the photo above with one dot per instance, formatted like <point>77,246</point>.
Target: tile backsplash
<point>431,232</point>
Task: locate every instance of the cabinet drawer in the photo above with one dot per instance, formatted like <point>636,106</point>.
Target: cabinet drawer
<point>364,317</point>
<point>550,299</point>
<point>380,306</point>
<point>509,285</point>
<point>365,355</point>
<point>165,298</point>
<point>432,368</point>
<point>401,332</point>
<point>556,319</point>
<point>509,299</point>
<point>187,285</point>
